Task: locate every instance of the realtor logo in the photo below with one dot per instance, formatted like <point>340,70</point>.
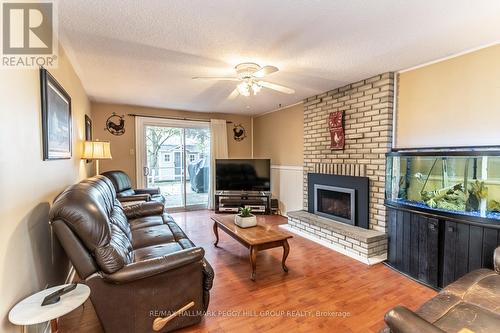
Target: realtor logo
<point>28,34</point>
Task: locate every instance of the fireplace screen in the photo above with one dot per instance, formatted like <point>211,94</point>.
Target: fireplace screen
<point>336,203</point>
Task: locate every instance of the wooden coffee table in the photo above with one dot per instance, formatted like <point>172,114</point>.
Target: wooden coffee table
<point>258,238</point>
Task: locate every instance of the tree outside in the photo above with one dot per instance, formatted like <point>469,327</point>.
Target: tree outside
<point>202,137</point>
<point>158,136</point>
<point>155,138</point>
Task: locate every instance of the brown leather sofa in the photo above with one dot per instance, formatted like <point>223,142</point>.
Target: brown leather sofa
<point>125,192</point>
<point>472,302</point>
<point>136,260</point>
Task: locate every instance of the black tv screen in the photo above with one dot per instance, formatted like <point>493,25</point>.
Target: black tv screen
<point>243,175</point>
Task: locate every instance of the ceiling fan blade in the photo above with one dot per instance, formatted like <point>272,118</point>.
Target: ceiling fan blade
<point>266,70</point>
<point>276,87</point>
<point>235,93</point>
<point>221,78</point>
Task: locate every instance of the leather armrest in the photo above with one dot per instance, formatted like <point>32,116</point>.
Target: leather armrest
<point>209,274</point>
<point>150,191</point>
<point>403,320</point>
<point>146,268</point>
<point>135,197</point>
<point>496,259</point>
<point>142,209</point>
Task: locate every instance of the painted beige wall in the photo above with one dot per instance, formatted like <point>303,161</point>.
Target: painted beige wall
<point>29,261</point>
<point>123,147</point>
<point>455,102</point>
<point>279,135</point>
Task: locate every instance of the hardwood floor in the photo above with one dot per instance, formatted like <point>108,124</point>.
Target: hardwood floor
<point>349,296</point>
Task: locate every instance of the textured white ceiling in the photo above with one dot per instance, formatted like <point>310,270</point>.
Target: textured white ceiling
<point>145,52</point>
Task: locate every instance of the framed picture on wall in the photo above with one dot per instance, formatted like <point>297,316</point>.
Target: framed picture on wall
<point>88,131</point>
<point>56,118</point>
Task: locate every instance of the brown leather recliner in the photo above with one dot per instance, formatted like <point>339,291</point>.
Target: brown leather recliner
<point>471,302</point>
<point>125,192</point>
<point>137,262</point>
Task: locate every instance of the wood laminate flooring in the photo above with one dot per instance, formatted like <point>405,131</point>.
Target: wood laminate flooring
<point>324,291</point>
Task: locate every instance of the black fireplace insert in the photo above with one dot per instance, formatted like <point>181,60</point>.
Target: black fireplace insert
<point>334,202</point>
<point>340,198</point>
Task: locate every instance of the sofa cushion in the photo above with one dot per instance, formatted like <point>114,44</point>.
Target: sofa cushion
<point>91,211</point>
<point>167,218</point>
<point>186,243</point>
<point>114,255</point>
<point>176,231</point>
<point>125,193</point>
<point>154,235</point>
<point>462,285</point>
<point>118,218</point>
<point>471,302</point>
<point>144,222</point>
<point>437,306</point>
<point>155,251</point>
<point>480,287</point>
<point>158,198</point>
<point>485,293</point>
<point>137,209</point>
<point>466,315</point>
<point>149,221</point>
<point>120,180</point>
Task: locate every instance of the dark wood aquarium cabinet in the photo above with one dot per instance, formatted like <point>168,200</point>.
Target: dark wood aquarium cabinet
<point>443,211</point>
<point>437,251</point>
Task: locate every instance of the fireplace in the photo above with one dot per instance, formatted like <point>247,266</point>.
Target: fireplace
<point>334,202</point>
<point>342,199</point>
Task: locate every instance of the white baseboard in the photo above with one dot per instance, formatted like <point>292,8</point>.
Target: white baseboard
<point>368,261</point>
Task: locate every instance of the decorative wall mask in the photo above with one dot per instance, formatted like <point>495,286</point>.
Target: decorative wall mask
<point>239,132</point>
<point>336,127</point>
<point>115,124</point>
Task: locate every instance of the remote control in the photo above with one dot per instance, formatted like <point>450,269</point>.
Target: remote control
<point>56,295</point>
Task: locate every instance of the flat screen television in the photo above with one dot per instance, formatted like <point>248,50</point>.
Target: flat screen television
<point>243,175</point>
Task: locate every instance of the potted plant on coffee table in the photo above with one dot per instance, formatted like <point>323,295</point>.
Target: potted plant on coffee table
<point>245,218</point>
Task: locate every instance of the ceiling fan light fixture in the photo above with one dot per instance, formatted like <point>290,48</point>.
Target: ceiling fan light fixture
<point>249,74</point>
<point>244,89</point>
<point>256,88</point>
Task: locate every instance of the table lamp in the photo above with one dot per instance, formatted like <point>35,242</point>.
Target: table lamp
<point>96,150</point>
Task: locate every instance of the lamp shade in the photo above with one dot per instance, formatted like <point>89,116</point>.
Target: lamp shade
<point>96,150</point>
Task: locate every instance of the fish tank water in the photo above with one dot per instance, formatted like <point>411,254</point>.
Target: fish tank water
<point>465,183</point>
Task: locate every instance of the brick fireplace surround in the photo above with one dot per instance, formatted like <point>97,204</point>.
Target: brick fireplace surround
<point>368,107</point>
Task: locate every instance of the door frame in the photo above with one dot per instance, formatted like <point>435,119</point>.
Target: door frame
<point>140,149</point>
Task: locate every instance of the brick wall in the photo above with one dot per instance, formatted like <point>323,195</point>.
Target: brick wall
<point>368,108</point>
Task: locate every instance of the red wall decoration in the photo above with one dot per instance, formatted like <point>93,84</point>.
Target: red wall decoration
<point>336,127</point>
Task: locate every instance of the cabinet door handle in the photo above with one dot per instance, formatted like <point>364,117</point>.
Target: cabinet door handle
<point>432,227</point>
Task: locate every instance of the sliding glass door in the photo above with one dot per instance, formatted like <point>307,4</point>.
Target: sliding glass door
<point>173,155</point>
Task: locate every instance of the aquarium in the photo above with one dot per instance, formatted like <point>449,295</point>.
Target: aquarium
<point>466,183</point>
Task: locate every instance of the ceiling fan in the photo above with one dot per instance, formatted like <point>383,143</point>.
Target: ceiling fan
<point>249,75</point>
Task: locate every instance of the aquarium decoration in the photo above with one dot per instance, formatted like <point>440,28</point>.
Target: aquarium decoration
<point>449,198</point>
<point>494,206</point>
<point>467,185</point>
<point>477,192</point>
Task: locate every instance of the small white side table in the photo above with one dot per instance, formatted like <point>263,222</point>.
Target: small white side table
<point>30,310</point>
